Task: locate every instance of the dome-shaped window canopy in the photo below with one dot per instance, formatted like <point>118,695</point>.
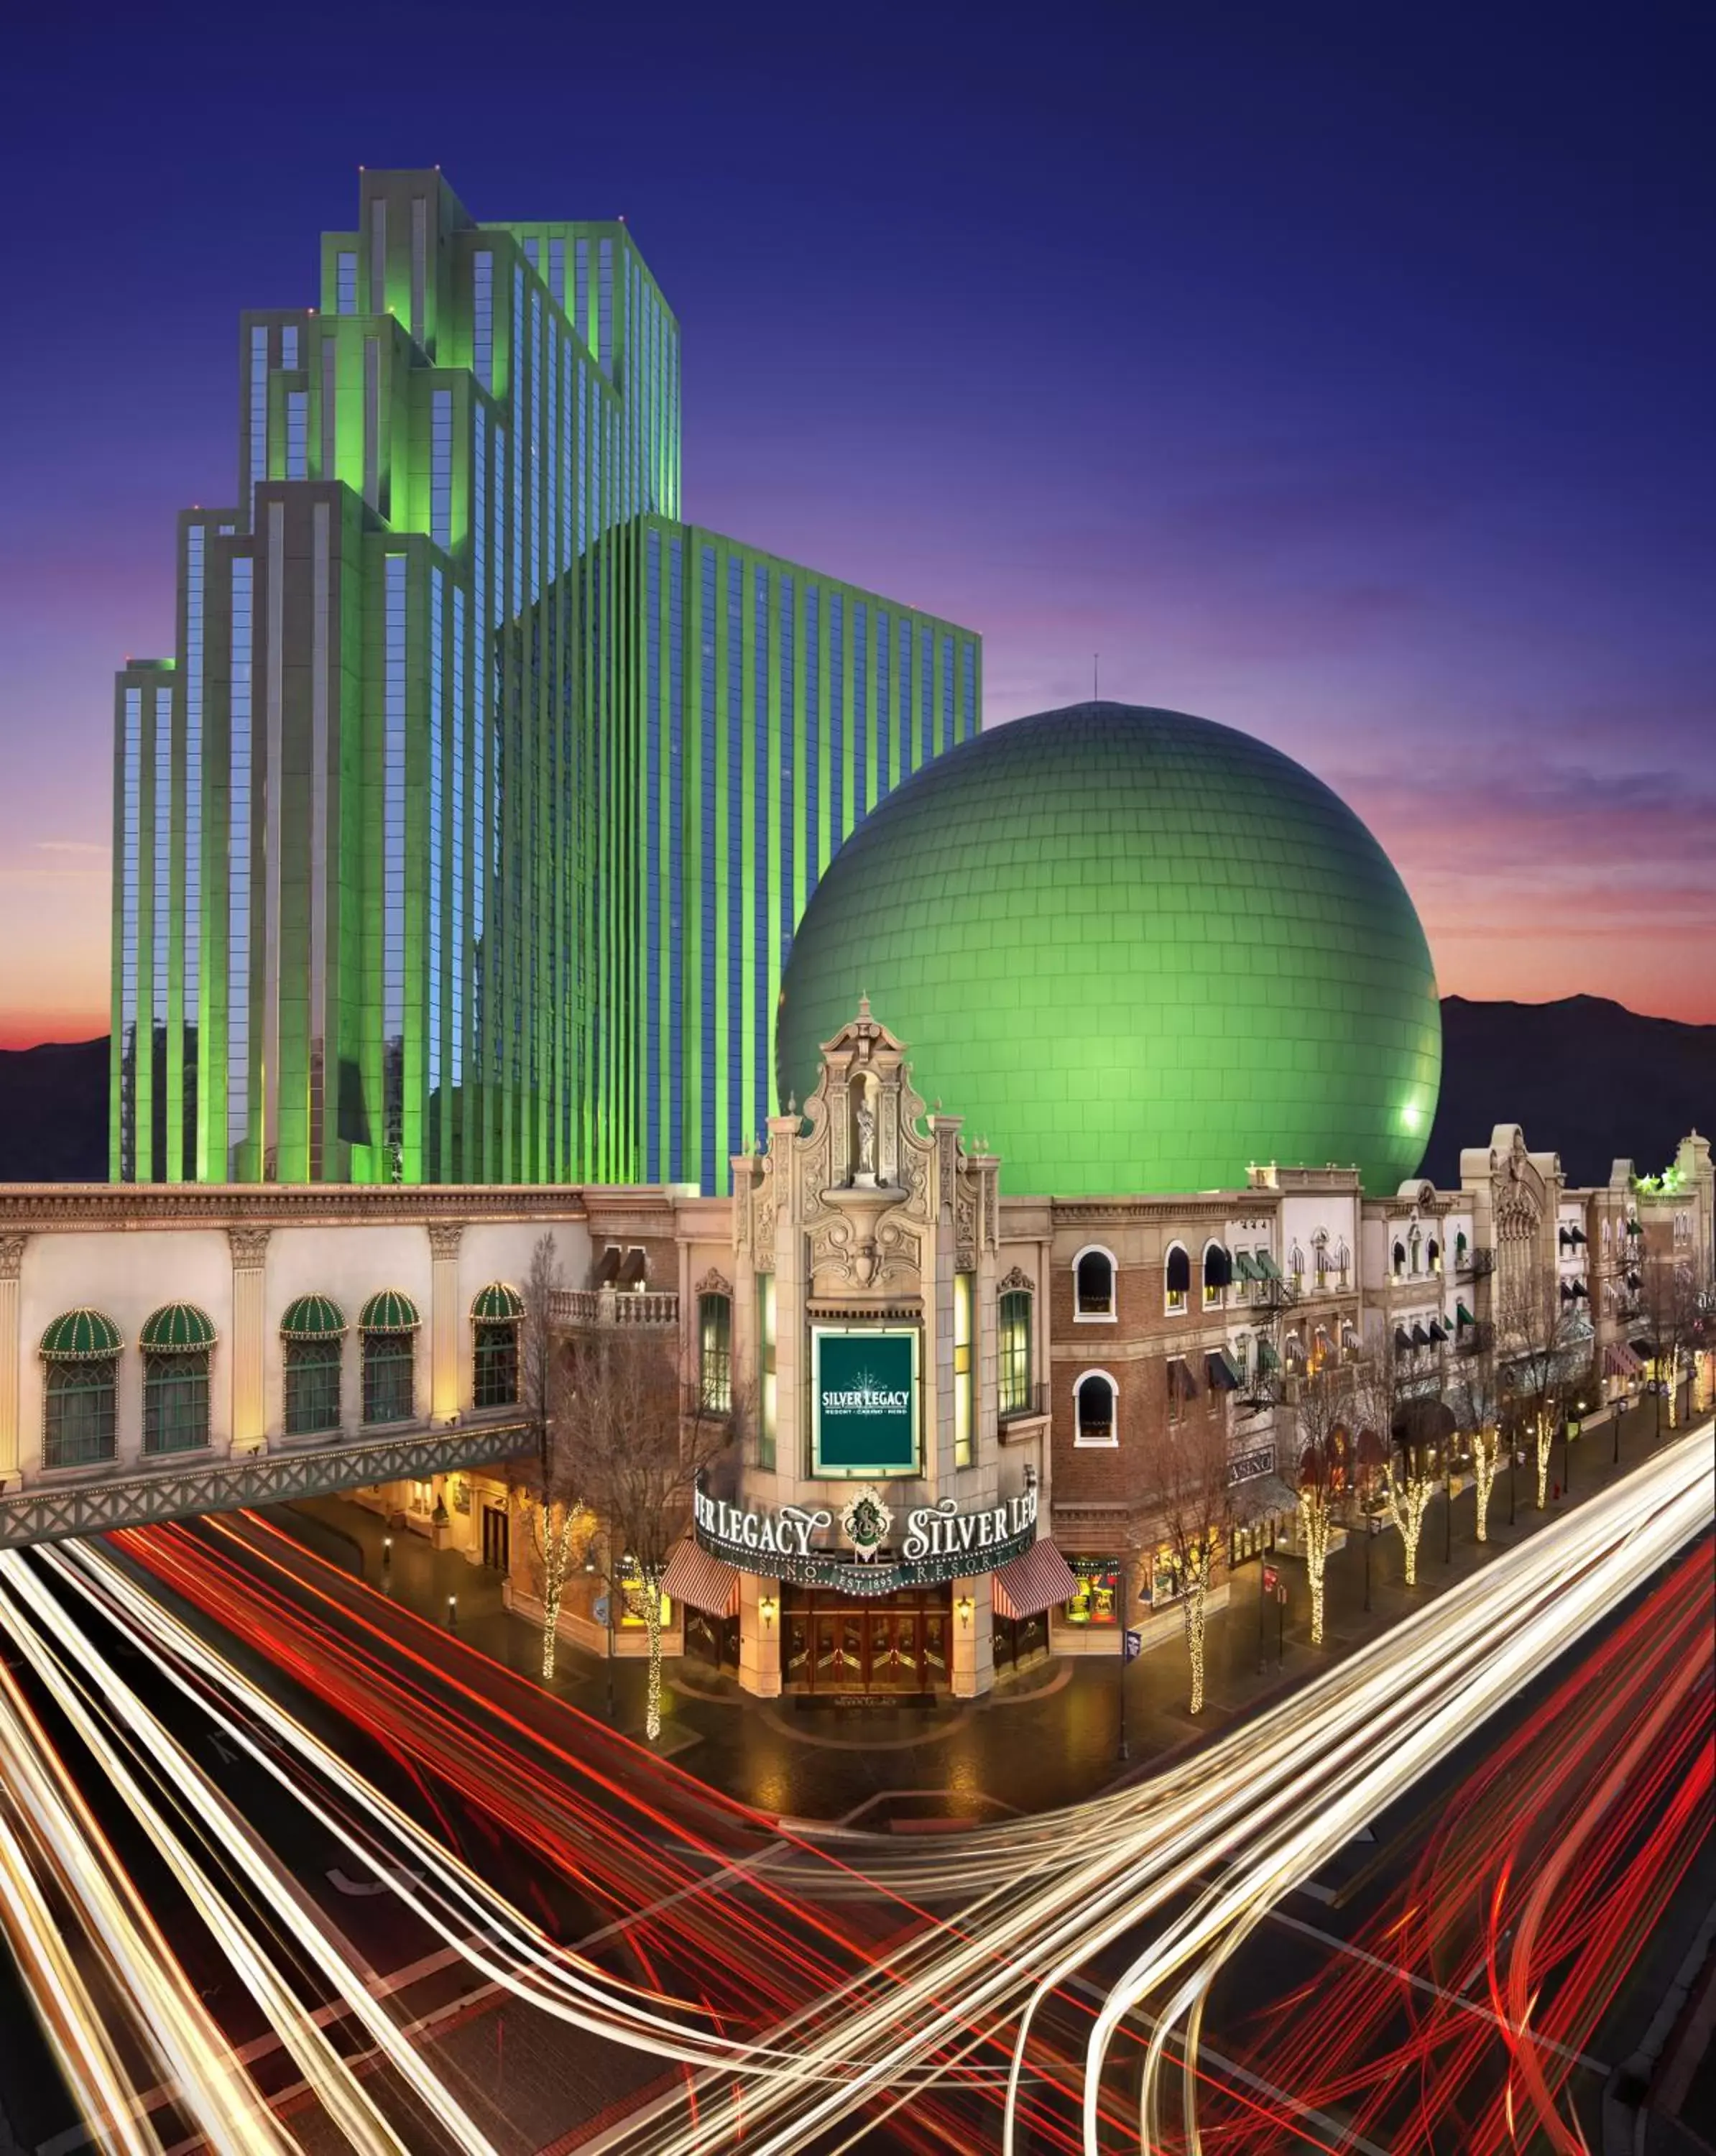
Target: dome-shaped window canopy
<point>389,1312</point>
<point>496,1304</point>
<point>81,1336</point>
<point>176,1328</point>
<point>313,1317</point>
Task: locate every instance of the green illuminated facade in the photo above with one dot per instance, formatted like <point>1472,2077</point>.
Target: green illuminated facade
<point>464,838</point>
<point>1139,952</point>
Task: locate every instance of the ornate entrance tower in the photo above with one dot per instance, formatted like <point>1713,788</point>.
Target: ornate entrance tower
<point>865,1243</point>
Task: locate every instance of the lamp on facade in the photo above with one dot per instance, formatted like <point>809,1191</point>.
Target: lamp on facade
<point>765,1610</point>
<point>965,1606</point>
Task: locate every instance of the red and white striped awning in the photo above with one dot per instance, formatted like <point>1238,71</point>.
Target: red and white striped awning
<point>1032,1582</point>
<point>693,1576</point>
<point>1619,1361</point>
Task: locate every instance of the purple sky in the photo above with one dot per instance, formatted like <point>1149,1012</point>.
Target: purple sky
<point>1343,374</point>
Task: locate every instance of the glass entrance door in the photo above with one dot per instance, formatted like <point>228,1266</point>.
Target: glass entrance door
<point>873,1647</point>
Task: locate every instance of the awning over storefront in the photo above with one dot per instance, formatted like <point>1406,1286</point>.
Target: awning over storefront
<point>1619,1361</point>
<point>693,1576</point>
<point>1032,1582</point>
<point>1223,1376</point>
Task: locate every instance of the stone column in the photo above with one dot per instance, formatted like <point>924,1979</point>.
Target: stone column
<point>759,1643</point>
<point>973,1643</point>
<point>249,1334</point>
<point>444,1318</point>
<point>11,1267</point>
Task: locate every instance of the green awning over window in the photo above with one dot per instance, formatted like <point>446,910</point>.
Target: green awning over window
<point>1463,1314</point>
<point>312,1318</point>
<point>389,1312</point>
<point>1223,1376</point>
<point>1268,1359</point>
<point>1243,1267</point>
<point>496,1303</point>
<point>176,1328</point>
<point>1266,1267</point>
<point>81,1336</point>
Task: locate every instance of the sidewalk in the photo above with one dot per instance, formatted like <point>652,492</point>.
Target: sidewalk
<point>1048,1738</point>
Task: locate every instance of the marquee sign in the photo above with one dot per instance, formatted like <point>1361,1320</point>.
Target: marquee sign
<point>938,1542</point>
<point>863,1401</point>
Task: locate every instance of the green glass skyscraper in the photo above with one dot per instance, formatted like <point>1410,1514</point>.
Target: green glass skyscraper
<point>464,837</point>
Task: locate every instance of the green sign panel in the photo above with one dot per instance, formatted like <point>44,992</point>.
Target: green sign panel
<point>864,1403</point>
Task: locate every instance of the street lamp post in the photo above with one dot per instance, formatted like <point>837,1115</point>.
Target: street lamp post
<point>1566,1455</point>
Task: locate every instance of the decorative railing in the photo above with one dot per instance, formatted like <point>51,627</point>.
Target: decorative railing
<point>183,1484</point>
<point>614,1305</point>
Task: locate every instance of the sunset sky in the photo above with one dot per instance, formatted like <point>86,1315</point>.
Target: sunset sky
<point>1342,374</point>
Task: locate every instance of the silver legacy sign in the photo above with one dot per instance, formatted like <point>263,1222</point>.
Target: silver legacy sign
<point>940,1542</point>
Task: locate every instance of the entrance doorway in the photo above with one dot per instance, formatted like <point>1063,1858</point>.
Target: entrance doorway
<point>497,1538</point>
<point>834,1644</point>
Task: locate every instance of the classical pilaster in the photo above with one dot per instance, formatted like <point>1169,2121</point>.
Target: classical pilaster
<point>11,1267</point>
<point>973,1670</point>
<point>249,1249</point>
<point>759,1635</point>
<point>444,1318</point>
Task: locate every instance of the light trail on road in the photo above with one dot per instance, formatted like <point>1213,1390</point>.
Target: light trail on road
<point>1268,1803</point>
<point>957,2005</point>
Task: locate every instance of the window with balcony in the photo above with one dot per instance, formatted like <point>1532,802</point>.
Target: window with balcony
<point>1095,1399</point>
<point>1093,1284</point>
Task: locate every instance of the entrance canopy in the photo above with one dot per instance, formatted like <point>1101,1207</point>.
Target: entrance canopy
<point>1032,1582</point>
<point>694,1577</point>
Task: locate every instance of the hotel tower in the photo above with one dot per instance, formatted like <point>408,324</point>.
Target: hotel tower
<point>464,838</point>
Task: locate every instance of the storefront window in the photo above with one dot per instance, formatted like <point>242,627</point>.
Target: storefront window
<point>633,1608</point>
<point>964,1406</point>
<point>1165,1578</point>
<point>1097,1599</point>
<point>1015,1347</point>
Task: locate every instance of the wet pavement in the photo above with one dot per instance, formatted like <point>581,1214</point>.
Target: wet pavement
<point>1047,1738</point>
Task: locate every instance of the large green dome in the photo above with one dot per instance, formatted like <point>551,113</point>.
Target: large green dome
<point>1135,950</point>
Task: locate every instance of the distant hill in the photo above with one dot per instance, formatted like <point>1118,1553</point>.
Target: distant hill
<point>1583,1077</point>
<point>1586,1078</point>
<point>53,1112</point>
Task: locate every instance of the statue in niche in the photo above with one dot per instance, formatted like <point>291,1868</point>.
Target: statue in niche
<point>865,1118</point>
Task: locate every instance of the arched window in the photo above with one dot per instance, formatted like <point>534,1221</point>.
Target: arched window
<point>312,1334</point>
<point>497,1315</point>
<point>1296,1263</point>
<point>1293,1352</point>
<point>1013,1346</point>
<point>715,1352</point>
<point>176,1343</point>
<point>1399,1259</point>
<point>1096,1399</point>
<point>1342,1261</point>
<point>1218,1275</point>
<point>1433,1254</point>
<point>1414,1251</point>
<point>80,1401</point>
<point>1319,1256</point>
<point>1176,1275</point>
<point>1093,1284</point>
<point>389,1325</point>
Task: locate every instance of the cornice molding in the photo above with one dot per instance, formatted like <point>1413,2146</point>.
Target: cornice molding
<point>43,1207</point>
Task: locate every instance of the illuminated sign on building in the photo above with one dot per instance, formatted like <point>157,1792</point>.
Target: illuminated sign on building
<point>940,1541</point>
<point>864,1397</point>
